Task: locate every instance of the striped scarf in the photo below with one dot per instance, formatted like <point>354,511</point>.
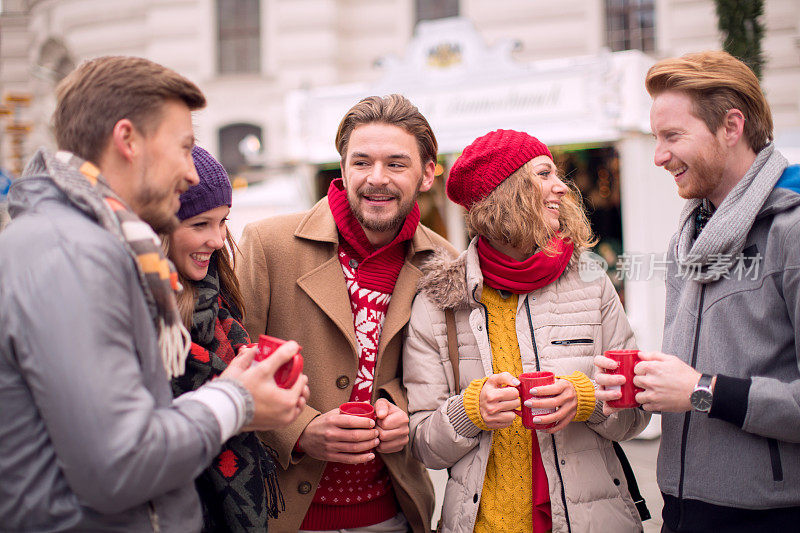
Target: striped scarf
<point>88,191</point>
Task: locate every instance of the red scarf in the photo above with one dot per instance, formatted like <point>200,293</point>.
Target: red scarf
<point>521,277</point>
<point>378,269</point>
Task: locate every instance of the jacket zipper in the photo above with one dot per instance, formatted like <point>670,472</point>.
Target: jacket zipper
<point>552,437</point>
<point>486,325</point>
<point>485,313</point>
<point>687,416</point>
<point>567,342</point>
<point>154,522</point>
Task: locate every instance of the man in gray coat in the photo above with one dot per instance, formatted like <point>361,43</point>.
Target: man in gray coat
<point>90,438</point>
<point>729,392</point>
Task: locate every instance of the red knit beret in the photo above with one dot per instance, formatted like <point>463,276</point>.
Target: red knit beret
<point>484,164</point>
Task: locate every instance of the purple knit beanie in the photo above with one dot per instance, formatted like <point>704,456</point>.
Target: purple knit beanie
<point>490,159</point>
<point>213,190</point>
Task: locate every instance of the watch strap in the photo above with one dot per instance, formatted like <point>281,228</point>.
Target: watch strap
<point>705,381</point>
<point>702,397</point>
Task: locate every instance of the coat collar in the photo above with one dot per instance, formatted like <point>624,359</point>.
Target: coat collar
<point>325,286</point>
<point>450,283</point>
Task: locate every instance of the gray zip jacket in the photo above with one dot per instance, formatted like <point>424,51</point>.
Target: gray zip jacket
<point>746,452</point>
<point>90,439</point>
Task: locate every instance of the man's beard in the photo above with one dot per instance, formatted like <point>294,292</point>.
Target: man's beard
<point>706,175</point>
<point>153,210</point>
<point>381,226</point>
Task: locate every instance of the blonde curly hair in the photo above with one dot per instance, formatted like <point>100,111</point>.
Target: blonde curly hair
<point>514,214</point>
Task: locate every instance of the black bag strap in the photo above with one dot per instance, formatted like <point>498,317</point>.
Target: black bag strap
<point>452,346</point>
<point>633,487</point>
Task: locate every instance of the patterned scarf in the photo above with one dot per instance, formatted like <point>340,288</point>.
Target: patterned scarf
<point>88,191</point>
<point>239,491</point>
<point>724,234</point>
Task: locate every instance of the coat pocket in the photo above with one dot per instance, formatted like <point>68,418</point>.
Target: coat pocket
<point>775,460</point>
<point>574,340</point>
<point>570,342</point>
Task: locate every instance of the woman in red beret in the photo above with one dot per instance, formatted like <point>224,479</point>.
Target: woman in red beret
<point>519,305</point>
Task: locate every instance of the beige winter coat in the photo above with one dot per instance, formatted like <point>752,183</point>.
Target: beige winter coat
<point>572,320</point>
<point>293,288</point>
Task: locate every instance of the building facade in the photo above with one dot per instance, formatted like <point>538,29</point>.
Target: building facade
<point>278,74</point>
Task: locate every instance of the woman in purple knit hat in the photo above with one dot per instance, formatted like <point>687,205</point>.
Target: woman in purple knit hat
<point>239,490</point>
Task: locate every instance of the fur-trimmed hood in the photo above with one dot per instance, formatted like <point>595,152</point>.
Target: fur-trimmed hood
<point>444,280</point>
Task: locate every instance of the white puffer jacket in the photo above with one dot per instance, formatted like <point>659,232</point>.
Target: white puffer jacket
<point>572,320</point>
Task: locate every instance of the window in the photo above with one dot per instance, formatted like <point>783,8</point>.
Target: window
<point>435,9</point>
<point>54,61</point>
<point>630,25</point>
<point>238,36</point>
<point>239,147</point>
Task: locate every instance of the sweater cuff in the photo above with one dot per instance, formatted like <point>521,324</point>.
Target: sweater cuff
<point>459,419</point>
<point>584,389</point>
<point>730,399</point>
<point>471,398</point>
<point>228,400</point>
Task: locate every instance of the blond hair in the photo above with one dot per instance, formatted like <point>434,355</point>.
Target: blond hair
<point>513,214</point>
<point>716,82</point>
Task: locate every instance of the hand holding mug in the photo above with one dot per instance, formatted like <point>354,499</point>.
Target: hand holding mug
<point>274,406</point>
<point>498,399</point>
<point>616,379</point>
<point>666,381</point>
<point>392,426</point>
<point>556,405</point>
<point>341,436</point>
<point>527,384</point>
<point>288,373</point>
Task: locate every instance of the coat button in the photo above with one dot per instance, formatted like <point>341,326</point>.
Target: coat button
<point>480,327</point>
<point>353,263</point>
<point>342,382</point>
<point>304,487</point>
<point>563,462</point>
<point>475,498</point>
<point>616,482</point>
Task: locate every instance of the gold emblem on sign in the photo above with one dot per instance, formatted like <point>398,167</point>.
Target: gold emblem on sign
<point>444,55</point>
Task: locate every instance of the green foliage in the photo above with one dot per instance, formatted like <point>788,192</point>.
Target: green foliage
<point>742,31</point>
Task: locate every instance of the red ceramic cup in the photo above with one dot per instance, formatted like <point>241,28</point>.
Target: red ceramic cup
<point>527,381</point>
<point>627,360</point>
<point>288,372</point>
<point>363,409</point>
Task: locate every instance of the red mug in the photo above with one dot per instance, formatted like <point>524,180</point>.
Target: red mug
<point>627,360</point>
<point>288,372</point>
<point>363,409</point>
<point>527,381</point>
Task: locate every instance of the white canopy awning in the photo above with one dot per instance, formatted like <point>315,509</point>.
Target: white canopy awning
<point>466,89</point>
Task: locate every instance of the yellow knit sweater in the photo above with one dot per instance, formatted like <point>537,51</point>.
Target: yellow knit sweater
<point>506,498</point>
<point>506,501</point>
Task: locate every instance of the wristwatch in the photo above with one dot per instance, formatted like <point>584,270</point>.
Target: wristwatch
<point>702,396</point>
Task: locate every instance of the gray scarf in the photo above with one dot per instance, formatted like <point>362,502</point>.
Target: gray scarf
<point>722,239</point>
